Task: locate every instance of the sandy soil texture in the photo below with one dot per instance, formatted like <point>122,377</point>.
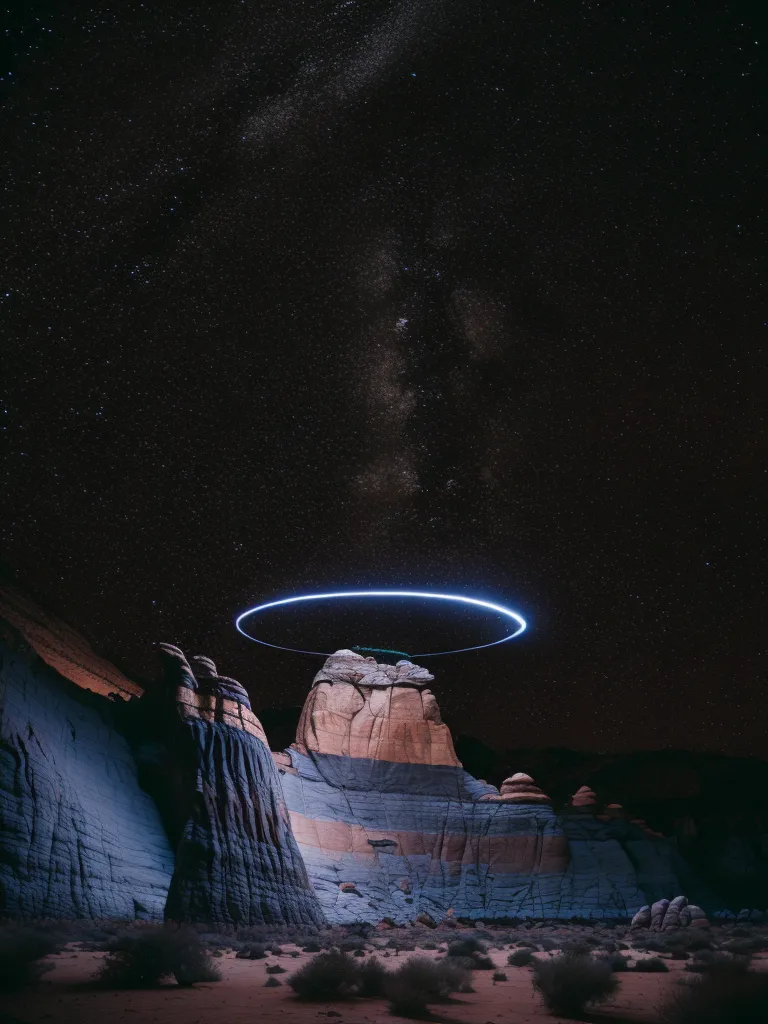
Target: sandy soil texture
<point>64,997</point>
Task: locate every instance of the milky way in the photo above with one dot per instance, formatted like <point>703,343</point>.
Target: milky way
<point>464,296</point>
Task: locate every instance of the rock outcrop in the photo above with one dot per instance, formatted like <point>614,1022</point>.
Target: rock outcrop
<point>78,835</point>
<point>378,801</point>
<point>583,799</point>
<point>360,709</point>
<point>236,858</point>
<point>669,916</point>
<point>519,789</point>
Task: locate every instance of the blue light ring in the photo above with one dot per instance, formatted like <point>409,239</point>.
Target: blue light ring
<point>518,619</point>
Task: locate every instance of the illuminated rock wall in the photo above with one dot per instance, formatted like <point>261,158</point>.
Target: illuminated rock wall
<point>236,859</point>
<point>78,836</point>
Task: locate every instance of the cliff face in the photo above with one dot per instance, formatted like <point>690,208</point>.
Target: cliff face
<point>389,823</point>
<point>78,836</point>
<point>236,859</point>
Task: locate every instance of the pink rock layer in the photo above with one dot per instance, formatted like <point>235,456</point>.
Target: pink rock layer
<point>357,708</point>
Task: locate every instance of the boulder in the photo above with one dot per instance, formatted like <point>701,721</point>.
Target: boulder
<point>642,918</point>
<point>583,799</point>
<point>519,789</point>
<point>696,917</point>
<point>658,912</point>
<point>672,918</point>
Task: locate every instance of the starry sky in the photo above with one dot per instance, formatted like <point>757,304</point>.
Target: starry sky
<point>416,293</point>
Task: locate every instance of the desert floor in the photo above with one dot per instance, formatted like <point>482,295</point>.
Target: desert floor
<point>65,997</point>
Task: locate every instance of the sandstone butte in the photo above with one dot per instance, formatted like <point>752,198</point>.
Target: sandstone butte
<point>171,803</point>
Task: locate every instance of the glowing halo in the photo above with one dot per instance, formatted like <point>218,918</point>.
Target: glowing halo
<point>500,609</point>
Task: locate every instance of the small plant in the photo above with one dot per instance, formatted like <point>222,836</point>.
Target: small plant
<point>252,951</point>
<point>312,947</point>
<point>615,961</point>
<point>571,982</point>
<point>143,958</point>
<point>275,969</point>
<point>478,962</point>
<point>333,975</point>
<point>276,950</point>
<point>272,983</point>
<point>359,952</point>
<point>499,976</point>
<point>650,965</point>
<point>707,962</point>
<point>520,958</point>
<point>466,946</point>
<point>21,951</point>
<point>720,997</point>
<point>372,978</point>
<point>419,982</point>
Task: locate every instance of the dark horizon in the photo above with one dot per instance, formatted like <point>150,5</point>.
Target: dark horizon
<point>399,295</point>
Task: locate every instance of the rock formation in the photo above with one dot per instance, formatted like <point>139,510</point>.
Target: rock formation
<point>674,918</point>
<point>78,836</point>
<point>519,789</point>
<point>378,799</point>
<point>236,858</point>
<point>173,804</point>
<point>358,708</point>
<point>583,799</point>
<point>658,910</point>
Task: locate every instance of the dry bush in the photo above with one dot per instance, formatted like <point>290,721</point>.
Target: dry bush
<point>333,975</point>
<point>143,958</point>
<point>571,982</point>
<point>22,948</point>
<point>720,997</point>
<point>651,965</point>
<point>520,958</point>
<point>419,982</point>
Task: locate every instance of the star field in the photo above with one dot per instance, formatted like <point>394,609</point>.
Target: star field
<point>424,293</point>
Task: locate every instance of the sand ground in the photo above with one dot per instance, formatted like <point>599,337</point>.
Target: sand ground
<point>63,997</point>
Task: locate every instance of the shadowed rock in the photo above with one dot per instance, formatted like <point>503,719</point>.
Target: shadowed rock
<point>236,859</point>
<point>672,918</point>
<point>642,918</point>
<point>658,911</point>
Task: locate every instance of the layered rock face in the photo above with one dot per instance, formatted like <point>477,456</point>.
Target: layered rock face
<point>388,822</point>
<point>236,859</point>
<point>78,835</point>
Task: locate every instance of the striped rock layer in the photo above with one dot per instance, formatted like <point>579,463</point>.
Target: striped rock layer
<point>236,858</point>
<point>388,822</point>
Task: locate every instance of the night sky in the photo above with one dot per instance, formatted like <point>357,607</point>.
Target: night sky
<point>435,294</point>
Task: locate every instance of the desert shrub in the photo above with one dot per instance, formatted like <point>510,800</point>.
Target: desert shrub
<point>312,947</point>
<point>571,982</point>
<point>371,978</point>
<point>466,946</point>
<point>741,947</point>
<point>499,976</point>
<point>615,961</point>
<point>272,983</point>
<point>650,965</point>
<point>528,945</point>
<point>706,962</point>
<point>252,951</point>
<point>276,950</point>
<point>478,962</point>
<point>359,952</point>
<point>520,958</point>
<point>429,945</point>
<point>275,969</point>
<point>333,975</point>
<point>143,958</point>
<point>419,982</point>
<point>21,951</point>
<point>720,997</point>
